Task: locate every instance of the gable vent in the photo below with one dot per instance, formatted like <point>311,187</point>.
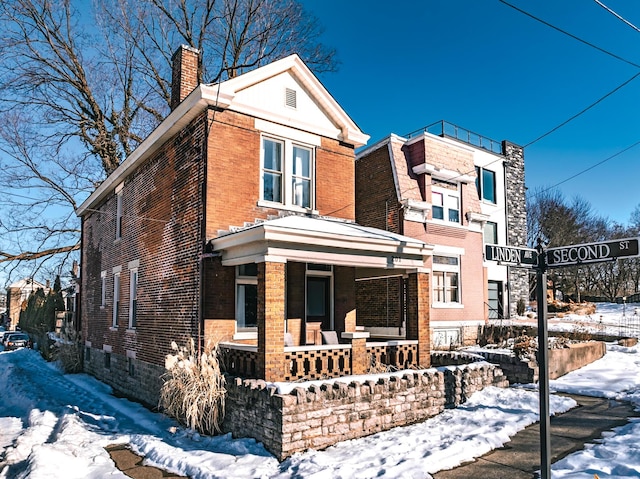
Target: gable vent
<point>290,98</point>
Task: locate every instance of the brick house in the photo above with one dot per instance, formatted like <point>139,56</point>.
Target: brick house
<point>457,191</point>
<point>17,296</point>
<point>234,222</point>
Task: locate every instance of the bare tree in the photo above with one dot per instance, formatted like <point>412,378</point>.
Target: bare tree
<point>80,88</point>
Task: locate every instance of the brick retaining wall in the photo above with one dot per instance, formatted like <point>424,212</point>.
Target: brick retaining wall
<point>317,416</point>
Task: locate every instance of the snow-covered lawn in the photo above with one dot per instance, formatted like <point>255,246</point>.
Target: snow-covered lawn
<point>56,426</point>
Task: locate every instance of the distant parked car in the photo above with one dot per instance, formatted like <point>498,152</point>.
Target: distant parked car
<point>17,340</point>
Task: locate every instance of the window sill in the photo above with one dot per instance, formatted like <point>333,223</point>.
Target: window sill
<point>113,328</point>
<point>243,335</point>
<point>131,330</point>
<point>447,306</point>
<point>282,206</point>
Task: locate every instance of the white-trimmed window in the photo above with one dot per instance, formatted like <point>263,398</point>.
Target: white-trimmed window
<point>247,297</point>
<point>445,201</point>
<point>116,298</point>
<point>119,211</point>
<point>490,232</point>
<point>446,279</point>
<point>133,298</point>
<point>287,173</point>
<point>486,184</point>
<point>103,289</point>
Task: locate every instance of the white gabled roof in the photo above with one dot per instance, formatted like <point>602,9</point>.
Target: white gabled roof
<point>237,95</point>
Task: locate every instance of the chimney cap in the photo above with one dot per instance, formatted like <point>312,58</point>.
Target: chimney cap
<point>184,46</point>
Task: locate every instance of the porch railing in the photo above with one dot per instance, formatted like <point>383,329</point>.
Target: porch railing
<point>320,361</point>
<point>398,354</point>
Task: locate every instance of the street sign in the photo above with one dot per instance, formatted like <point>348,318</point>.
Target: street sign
<point>511,255</point>
<point>591,252</point>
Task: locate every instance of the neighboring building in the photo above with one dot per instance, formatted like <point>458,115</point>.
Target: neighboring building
<point>457,191</point>
<point>17,297</point>
<point>233,222</point>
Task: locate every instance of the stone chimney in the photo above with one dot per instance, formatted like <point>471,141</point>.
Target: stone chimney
<point>185,74</point>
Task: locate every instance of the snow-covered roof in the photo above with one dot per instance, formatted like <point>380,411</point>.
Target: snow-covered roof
<point>321,240</point>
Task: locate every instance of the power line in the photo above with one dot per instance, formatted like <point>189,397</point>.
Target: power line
<point>544,22</point>
<point>619,17</point>
<point>590,167</point>
<point>584,110</point>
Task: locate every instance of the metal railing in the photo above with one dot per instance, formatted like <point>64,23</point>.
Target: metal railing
<point>449,130</point>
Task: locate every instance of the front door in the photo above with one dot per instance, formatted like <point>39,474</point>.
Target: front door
<point>318,307</point>
<point>495,300</point>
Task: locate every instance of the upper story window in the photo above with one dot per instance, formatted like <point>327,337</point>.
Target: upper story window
<point>486,184</point>
<point>119,211</point>
<point>490,232</point>
<point>133,298</point>
<point>287,173</point>
<point>445,201</point>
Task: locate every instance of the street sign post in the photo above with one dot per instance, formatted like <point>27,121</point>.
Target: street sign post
<point>541,259</point>
<point>511,255</point>
<point>591,252</point>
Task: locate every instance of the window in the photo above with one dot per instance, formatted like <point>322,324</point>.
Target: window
<point>133,298</point>
<point>107,360</point>
<point>131,367</point>
<point>490,232</point>
<point>445,201</point>
<point>103,289</point>
<point>287,173</point>
<point>119,214</point>
<point>247,296</point>
<point>446,288</point>
<point>486,184</point>
<point>116,299</point>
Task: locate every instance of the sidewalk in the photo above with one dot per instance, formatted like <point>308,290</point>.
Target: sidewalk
<point>520,458</point>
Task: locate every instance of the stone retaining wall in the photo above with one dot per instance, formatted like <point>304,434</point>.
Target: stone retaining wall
<point>561,361</point>
<point>317,416</point>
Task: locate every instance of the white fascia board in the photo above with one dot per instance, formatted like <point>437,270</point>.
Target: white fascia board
<point>380,144</point>
<point>447,250</point>
<point>184,113</point>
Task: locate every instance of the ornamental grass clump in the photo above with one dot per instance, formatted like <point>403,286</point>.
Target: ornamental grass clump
<point>194,391</point>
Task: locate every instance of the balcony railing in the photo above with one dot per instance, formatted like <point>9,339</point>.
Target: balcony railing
<point>449,130</point>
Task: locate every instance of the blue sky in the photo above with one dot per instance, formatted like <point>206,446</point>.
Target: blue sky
<point>488,68</point>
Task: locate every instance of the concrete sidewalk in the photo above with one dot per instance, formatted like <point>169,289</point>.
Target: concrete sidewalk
<point>520,457</point>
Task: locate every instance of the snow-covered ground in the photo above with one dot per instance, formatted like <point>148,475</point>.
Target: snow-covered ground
<point>56,426</point>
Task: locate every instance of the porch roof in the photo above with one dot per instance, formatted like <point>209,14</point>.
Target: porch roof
<point>321,240</point>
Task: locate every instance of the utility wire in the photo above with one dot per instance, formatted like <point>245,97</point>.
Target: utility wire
<point>590,167</point>
<point>619,17</point>
<point>606,52</point>
<point>584,110</point>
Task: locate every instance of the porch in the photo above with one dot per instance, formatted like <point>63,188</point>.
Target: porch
<point>306,270</point>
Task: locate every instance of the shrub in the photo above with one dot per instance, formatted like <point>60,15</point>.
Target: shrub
<point>520,305</point>
<point>194,391</point>
<point>68,352</point>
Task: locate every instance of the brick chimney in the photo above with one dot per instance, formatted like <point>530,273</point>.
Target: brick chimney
<point>185,74</point>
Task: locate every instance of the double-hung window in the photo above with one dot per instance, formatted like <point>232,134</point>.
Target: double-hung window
<point>247,296</point>
<point>446,279</point>
<point>445,201</point>
<point>486,184</point>
<point>287,173</point>
<point>133,298</point>
<point>116,298</point>
<point>119,212</point>
<point>103,289</point>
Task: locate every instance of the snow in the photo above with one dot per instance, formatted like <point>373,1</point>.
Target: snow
<point>54,425</point>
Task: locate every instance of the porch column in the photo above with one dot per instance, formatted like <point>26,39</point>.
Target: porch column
<point>418,301</point>
<point>271,312</point>
<point>359,358</point>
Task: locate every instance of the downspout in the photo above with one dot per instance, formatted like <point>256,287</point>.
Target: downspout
<point>508,229</point>
<point>203,230</point>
